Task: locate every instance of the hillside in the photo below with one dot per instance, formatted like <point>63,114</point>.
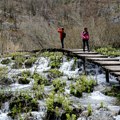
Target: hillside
<point>32,24</point>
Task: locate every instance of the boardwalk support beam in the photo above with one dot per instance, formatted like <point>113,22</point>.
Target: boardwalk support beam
<point>84,65</point>
<point>107,76</point>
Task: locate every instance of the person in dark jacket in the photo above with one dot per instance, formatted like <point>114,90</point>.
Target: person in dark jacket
<point>85,38</point>
<point>62,36</point>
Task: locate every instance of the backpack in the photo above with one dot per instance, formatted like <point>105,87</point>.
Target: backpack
<point>64,35</point>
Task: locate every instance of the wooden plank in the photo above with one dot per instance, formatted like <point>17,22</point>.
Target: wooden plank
<point>107,63</point>
<point>102,59</point>
<point>81,52</point>
<point>112,68</point>
<point>92,55</point>
<point>74,49</point>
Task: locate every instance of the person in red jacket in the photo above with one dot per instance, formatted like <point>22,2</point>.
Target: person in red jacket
<point>85,38</point>
<point>62,36</point>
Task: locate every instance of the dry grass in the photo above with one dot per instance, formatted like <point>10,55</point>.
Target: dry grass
<point>33,24</point>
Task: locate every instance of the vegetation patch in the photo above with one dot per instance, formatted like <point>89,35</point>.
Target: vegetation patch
<point>59,85</point>
<point>55,58</point>
<point>54,73</point>
<point>82,85</point>
<point>6,61</point>
<point>5,97</point>
<point>40,80</point>
<point>29,62</point>
<point>38,91</point>
<point>19,61</point>
<point>59,107</point>
<point>114,91</point>
<point>22,103</point>
<point>3,73</point>
<point>109,51</point>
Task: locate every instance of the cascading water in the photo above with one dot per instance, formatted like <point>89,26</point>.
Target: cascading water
<point>41,65</point>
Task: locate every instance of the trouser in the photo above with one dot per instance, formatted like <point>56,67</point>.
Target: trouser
<point>62,43</point>
<point>85,43</point>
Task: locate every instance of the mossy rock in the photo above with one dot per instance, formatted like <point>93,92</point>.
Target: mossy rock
<point>6,61</point>
<point>23,80</point>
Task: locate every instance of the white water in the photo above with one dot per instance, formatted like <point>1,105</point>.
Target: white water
<point>93,98</point>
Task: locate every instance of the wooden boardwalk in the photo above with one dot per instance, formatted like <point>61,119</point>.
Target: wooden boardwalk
<point>110,65</point>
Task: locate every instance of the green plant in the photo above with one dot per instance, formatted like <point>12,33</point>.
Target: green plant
<point>22,103</point>
<point>59,85</point>
<point>54,73</point>
<point>26,73</point>
<point>39,91</point>
<point>89,108</point>
<point>71,117</point>
<point>29,62</point>
<point>39,80</point>
<point>82,85</point>
<point>101,105</point>
<point>3,72</point>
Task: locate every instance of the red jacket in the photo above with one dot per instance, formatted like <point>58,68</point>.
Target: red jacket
<point>60,31</point>
<point>85,36</point>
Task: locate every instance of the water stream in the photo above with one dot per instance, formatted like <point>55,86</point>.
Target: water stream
<point>94,98</point>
